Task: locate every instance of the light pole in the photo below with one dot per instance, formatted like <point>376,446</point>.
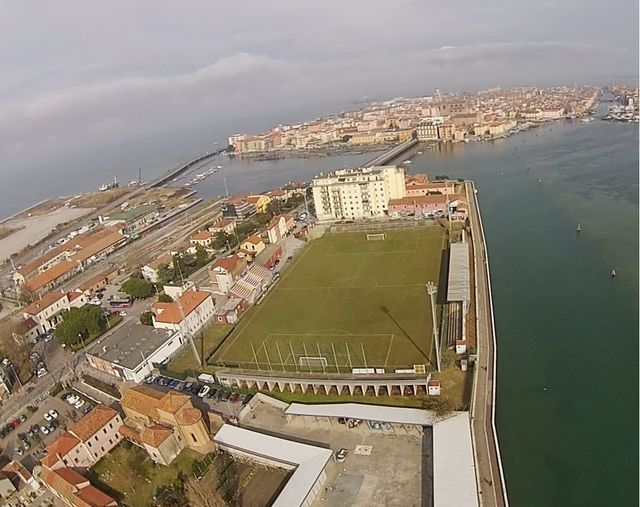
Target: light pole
<point>432,290</point>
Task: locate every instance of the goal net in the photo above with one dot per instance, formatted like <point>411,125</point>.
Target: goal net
<point>376,237</point>
<point>319,363</point>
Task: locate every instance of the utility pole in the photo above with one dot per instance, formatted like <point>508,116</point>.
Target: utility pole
<point>432,290</point>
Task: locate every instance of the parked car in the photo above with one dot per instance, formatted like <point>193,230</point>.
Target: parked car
<point>341,455</point>
<point>22,436</point>
<point>34,356</point>
<point>195,388</point>
<point>18,451</point>
<point>71,399</point>
<point>42,372</point>
<point>48,337</point>
<point>26,445</point>
<point>87,408</point>
<point>212,393</point>
<point>234,397</point>
<point>122,313</point>
<point>44,430</point>
<point>246,398</point>
<point>48,417</point>
<point>78,404</point>
<point>225,396</point>
<point>22,418</point>
<point>203,391</point>
<point>53,413</point>
<point>51,426</point>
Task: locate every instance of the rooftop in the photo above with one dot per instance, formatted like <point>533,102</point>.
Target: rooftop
<point>459,285</point>
<point>129,344</point>
<point>44,302</point>
<point>92,422</point>
<point>171,313</point>
<point>50,275</point>
<point>133,213</point>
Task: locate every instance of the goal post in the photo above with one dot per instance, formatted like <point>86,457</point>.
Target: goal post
<point>380,236</point>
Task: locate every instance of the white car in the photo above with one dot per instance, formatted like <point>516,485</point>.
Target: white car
<point>48,417</point>
<point>95,301</point>
<point>42,372</point>
<point>44,430</point>
<point>203,391</point>
<point>53,413</point>
<point>122,313</point>
<point>79,403</point>
<point>71,399</point>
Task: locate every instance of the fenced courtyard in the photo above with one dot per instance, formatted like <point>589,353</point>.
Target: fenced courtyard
<point>348,300</point>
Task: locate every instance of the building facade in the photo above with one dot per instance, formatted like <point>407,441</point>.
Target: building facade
<point>357,194</point>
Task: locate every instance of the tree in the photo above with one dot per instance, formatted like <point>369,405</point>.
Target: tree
<point>165,298</point>
<point>262,218</point>
<point>222,239</point>
<point>146,318</point>
<point>165,274</point>
<point>137,288</point>
<point>201,256</point>
<point>203,493</point>
<point>80,322</point>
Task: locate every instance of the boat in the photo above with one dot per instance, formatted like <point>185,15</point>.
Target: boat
<point>419,153</point>
<point>578,228</point>
<point>407,162</point>
<point>219,167</point>
<point>539,182</point>
<point>613,273</point>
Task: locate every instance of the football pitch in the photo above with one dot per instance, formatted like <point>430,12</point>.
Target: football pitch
<point>345,302</point>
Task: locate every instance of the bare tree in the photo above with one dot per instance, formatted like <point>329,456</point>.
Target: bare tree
<point>203,493</point>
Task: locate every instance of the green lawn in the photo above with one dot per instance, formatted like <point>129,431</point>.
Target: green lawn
<point>133,478</point>
<point>353,302</point>
<point>185,360</point>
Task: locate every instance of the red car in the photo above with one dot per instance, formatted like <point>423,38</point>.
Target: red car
<point>234,397</point>
<point>15,423</point>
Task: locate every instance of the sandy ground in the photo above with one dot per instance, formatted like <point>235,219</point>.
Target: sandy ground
<point>35,228</point>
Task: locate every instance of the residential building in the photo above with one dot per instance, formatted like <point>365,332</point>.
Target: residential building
<point>225,271</point>
<point>229,309</point>
<point>238,207</point>
<point>17,485</point>
<point>73,489</point>
<point>192,311</point>
<point>131,350</point>
<point>414,187</point>
<point>134,220</point>
<point>99,281</point>
<point>87,441</point>
<point>276,229</point>
<point>252,246</point>
<point>227,225</point>
<point>202,238</point>
<point>46,312</point>
<point>428,130</point>
<point>357,193</point>
<point>163,423</point>
<point>150,270</point>
<point>261,202</point>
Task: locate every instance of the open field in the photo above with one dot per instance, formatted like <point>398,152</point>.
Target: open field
<point>185,359</point>
<point>30,230</point>
<point>345,302</point>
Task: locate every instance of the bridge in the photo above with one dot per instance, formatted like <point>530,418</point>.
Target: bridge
<point>392,154</point>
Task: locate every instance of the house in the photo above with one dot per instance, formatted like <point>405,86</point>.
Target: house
<point>276,229</point>
<point>225,271</point>
<point>150,270</point>
<point>227,225</point>
<point>414,188</point>
<point>51,278</point>
<point>73,489</point>
<point>87,441</point>
<point>46,312</point>
<point>252,246</point>
<point>117,356</point>
<point>202,238</point>
<point>269,256</point>
<point>418,204</point>
<point>261,202</point>
<point>164,423</point>
<point>134,219</point>
<point>17,484</point>
<point>192,311</point>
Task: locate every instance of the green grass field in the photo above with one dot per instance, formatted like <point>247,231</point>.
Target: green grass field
<point>345,302</point>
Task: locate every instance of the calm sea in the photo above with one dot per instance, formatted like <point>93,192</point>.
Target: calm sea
<point>567,398</point>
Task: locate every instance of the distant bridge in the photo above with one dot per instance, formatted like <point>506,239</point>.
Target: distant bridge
<point>391,154</point>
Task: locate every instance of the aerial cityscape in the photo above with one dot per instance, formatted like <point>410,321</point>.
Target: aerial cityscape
<point>389,297</point>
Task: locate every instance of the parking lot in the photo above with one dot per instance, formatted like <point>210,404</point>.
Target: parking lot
<point>40,428</point>
<point>386,468</point>
<point>219,399</point>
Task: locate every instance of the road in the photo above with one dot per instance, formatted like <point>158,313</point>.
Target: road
<point>490,477</point>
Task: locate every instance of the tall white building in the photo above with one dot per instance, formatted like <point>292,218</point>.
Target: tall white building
<point>357,194</point>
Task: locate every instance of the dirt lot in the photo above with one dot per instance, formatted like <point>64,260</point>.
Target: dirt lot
<point>390,475</point>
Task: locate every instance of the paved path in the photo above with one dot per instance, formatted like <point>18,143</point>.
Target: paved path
<point>490,477</point>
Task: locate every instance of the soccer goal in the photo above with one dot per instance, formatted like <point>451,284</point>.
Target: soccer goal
<point>318,363</point>
<point>376,237</point>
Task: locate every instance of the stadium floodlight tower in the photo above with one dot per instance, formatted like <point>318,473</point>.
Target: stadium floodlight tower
<point>432,290</point>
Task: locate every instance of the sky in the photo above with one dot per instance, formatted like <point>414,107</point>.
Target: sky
<point>87,85</point>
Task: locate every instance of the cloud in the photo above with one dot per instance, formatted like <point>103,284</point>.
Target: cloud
<point>247,91</point>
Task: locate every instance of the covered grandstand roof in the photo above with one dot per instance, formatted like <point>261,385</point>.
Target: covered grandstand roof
<point>309,461</point>
<point>454,478</point>
<point>458,285</point>
<point>394,415</point>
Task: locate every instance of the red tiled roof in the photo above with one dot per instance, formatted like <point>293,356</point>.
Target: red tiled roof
<point>93,422</point>
<point>44,302</point>
<point>201,236</point>
<point>171,313</point>
<point>256,240</point>
<point>155,434</point>
<point>142,399</point>
<point>90,496</point>
<point>89,284</point>
<point>53,273</point>
<point>164,260</point>
<point>227,263</point>
<point>62,446</point>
